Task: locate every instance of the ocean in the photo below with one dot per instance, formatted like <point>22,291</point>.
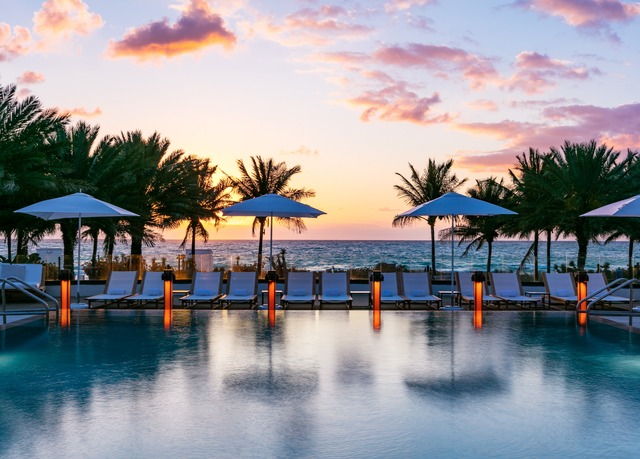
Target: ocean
<point>323,254</point>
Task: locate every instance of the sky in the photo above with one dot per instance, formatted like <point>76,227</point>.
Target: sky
<point>352,91</point>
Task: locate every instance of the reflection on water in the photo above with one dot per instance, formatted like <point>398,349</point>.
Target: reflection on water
<point>319,384</point>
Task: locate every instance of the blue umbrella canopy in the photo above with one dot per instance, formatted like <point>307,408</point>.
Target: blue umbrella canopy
<point>272,205</point>
<point>629,207</point>
<point>454,204</point>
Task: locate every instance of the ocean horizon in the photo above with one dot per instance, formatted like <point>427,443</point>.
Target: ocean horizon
<point>349,254</point>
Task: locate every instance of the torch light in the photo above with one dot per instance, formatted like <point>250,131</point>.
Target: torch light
<point>478,283</point>
<point>272,278</point>
<point>65,297</point>
<point>581,286</point>
<point>168,277</point>
<point>376,289</point>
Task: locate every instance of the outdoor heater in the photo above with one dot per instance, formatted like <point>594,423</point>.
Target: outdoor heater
<point>168,277</point>
<point>478,281</point>
<point>582,278</point>
<point>65,297</point>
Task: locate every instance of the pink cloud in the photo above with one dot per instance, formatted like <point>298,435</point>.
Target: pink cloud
<point>65,18</point>
<point>537,72</point>
<point>587,14</point>
<point>13,45</point>
<point>321,26</point>
<point>81,112</point>
<point>30,77</point>
<point>476,69</point>
<point>395,102</point>
<point>400,5</point>
<point>618,127</point>
<point>483,104</point>
<point>198,27</point>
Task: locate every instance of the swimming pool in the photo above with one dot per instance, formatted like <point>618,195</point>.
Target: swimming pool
<point>320,384</point>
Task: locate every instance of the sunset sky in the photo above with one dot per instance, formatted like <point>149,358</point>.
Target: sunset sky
<point>352,91</point>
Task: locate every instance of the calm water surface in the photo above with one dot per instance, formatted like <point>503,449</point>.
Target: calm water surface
<point>319,384</point>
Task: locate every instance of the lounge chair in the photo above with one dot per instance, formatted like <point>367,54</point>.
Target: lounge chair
<point>508,287</point>
<point>30,273</point>
<point>389,290</point>
<point>241,288</point>
<point>206,287</point>
<point>560,288</point>
<point>596,282</point>
<point>465,287</point>
<point>120,285</point>
<point>299,288</point>
<point>416,288</point>
<point>151,291</point>
<point>335,288</point>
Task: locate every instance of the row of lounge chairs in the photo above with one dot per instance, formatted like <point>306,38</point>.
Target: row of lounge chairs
<point>401,288</point>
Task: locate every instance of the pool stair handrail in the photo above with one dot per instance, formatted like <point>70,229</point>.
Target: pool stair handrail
<point>600,294</point>
<point>30,291</point>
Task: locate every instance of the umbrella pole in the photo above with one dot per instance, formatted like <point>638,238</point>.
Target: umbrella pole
<point>452,262</point>
<point>79,265</point>
<point>271,243</point>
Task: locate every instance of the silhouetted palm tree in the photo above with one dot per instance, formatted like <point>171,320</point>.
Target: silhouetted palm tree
<point>484,230</point>
<point>265,177</point>
<point>581,177</point>
<point>434,181</point>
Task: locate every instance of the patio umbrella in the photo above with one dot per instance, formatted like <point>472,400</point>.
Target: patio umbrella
<point>629,207</point>
<point>76,205</point>
<point>452,205</point>
<point>271,205</point>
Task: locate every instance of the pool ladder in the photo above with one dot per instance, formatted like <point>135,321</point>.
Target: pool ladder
<point>32,292</point>
<point>600,295</point>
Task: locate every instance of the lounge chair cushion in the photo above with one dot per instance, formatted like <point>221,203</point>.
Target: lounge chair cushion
<point>298,292</point>
<point>14,271</point>
<point>332,292</point>
<point>562,293</point>
<point>418,293</point>
<point>387,293</point>
<point>116,291</point>
<point>240,292</point>
<point>153,291</point>
<point>507,293</point>
<point>204,292</point>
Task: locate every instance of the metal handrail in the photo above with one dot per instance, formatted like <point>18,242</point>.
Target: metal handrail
<point>33,293</point>
<point>602,293</point>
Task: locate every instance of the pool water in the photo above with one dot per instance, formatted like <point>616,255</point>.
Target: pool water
<point>325,384</point>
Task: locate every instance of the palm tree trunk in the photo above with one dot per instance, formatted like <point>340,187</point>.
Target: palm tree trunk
<point>548,251</point>
<point>489,251</point>
<point>536,241</point>
<point>193,249</point>
<point>582,252</point>
<point>69,230</point>
<point>433,247</point>
<point>7,236</point>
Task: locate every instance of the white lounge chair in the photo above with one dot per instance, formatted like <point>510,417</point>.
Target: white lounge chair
<point>560,288</point>
<point>508,287</point>
<point>206,287</point>
<point>30,273</point>
<point>416,288</point>
<point>242,287</point>
<point>335,288</point>
<point>598,282</point>
<point>299,288</point>
<point>465,287</point>
<point>151,291</point>
<point>389,291</point>
<point>119,285</point>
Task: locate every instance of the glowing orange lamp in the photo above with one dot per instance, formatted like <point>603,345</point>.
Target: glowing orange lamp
<point>376,298</point>
<point>582,279</point>
<point>65,297</point>
<point>271,278</point>
<point>168,277</point>
<point>478,282</point>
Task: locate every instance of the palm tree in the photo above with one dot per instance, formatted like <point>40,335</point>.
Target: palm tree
<point>267,177</point>
<point>481,230</point>
<point>581,177</point>
<point>533,218</point>
<point>434,181</point>
<point>26,172</point>
<point>206,205</point>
